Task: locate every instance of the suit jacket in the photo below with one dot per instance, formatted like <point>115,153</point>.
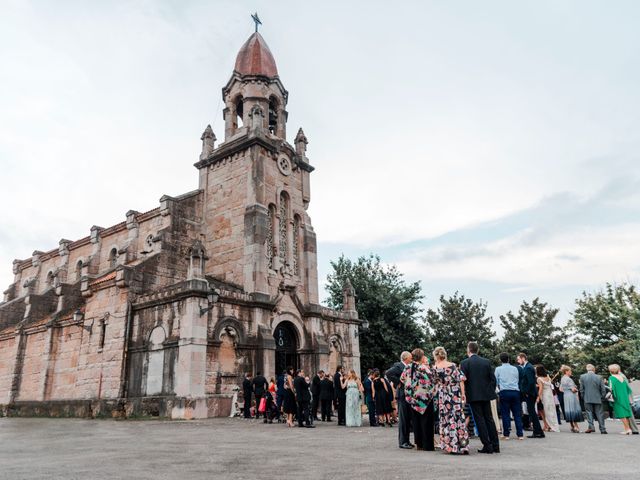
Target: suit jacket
<point>326,389</point>
<point>259,385</point>
<point>367,386</point>
<point>302,389</point>
<point>246,387</point>
<point>528,382</point>
<point>394,374</point>
<point>315,386</point>
<point>480,385</point>
<point>592,388</point>
<point>337,386</point>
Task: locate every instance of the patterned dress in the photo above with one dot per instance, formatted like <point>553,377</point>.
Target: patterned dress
<point>352,411</point>
<point>454,437</point>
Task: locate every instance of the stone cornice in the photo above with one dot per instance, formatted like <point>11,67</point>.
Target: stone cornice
<point>238,145</point>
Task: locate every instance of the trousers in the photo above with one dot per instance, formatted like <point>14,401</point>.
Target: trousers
<point>423,428</point>
<point>595,409</point>
<point>303,413</point>
<point>325,409</point>
<point>484,423</point>
<point>533,414</point>
<point>510,405</point>
<point>371,407</point>
<point>404,420</point>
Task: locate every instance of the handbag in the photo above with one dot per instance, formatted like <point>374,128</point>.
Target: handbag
<point>263,405</point>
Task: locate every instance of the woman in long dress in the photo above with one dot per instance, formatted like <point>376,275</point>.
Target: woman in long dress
<point>545,393</point>
<point>454,437</point>
<point>289,406</point>
<point>380,396</point>
<point>621,392</point>
<point>572,409</point>
<point>353,410</point>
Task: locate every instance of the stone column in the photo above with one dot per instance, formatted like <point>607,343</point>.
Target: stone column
<point>16,376</point>
<point>190,371</point>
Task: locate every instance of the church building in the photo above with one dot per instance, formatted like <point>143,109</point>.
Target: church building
<point>163,313</point>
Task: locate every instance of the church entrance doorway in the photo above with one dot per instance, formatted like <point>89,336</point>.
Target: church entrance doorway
<point>286,347</point>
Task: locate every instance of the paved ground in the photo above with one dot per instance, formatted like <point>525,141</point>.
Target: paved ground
<point>37,448</point>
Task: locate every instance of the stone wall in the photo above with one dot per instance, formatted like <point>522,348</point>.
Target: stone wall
<point>7,362</point>
<point>34,367</point>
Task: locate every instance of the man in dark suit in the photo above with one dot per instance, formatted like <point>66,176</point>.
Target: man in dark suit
<point>246,391</point>
<point>367,385</point>
<point>326,398</point>
<point>315,394</point>
<point>341,396</point>
<point>480,388</point>
<point>529,391</point>
<point>404,409</point>
<point>303,397</point>
<point>260,385</point>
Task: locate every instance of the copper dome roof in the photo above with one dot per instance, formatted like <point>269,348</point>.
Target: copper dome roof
<point>255,58</point>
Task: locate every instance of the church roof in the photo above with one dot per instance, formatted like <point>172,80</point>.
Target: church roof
<point>255,58</point>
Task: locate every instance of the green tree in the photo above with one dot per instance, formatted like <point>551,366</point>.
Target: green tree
<point>605,326</point>
<point>532,331</point>
<point>386,301</point>
<point>456,322</point>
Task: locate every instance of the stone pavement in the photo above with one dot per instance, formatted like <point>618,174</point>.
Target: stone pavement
<point>38,448</point>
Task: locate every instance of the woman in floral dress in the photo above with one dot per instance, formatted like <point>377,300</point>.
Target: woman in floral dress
<point>454,437</point>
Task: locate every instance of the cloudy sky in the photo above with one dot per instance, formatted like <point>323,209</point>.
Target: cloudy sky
<point>487,147</point>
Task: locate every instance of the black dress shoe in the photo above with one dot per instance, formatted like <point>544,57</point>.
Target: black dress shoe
<point>406,446</point>
<point>310,426</point>
<point>536,435</point>
<point>485,450</point>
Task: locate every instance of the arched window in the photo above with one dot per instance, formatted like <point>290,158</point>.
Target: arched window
<point>270,234</point>
<point>239,106</point>
<point>49,280</point>
<point>295,248</point>
<point>79,266</point>
<point>284,228</point>
<point>273,115</point>
<point>113,258</point>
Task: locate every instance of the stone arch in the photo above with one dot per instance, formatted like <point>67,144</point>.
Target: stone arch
<point>287,346</point>
<point>336,351</point>
<point>224,324</point>
<point>78,268</point>
<point>155,361</point>
<point>112,258</point>
<point>274,114</point>
<point>49,280</point>
<point>297,323</point>
<point>238,111</point>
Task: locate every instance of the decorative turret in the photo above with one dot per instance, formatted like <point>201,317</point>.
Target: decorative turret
<point>301,143</point>
<point>208,142</point>
<point>348,297</point>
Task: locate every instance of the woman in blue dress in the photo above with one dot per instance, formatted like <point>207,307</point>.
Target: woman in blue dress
<point>353,410</point>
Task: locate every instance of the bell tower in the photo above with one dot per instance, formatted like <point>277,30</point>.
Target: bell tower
<point>256,186</point>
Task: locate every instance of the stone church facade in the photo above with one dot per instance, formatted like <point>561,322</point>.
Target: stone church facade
<point>163,313</point>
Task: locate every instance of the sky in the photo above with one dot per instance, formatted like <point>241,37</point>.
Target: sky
<point>486,147</point>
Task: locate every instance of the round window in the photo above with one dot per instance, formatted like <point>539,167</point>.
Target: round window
<point>284,165</point>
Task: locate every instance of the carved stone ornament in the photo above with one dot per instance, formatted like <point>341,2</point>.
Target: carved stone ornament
<point>284,165</point>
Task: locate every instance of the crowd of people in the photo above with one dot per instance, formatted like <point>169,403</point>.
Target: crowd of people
<point>455,402</point>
